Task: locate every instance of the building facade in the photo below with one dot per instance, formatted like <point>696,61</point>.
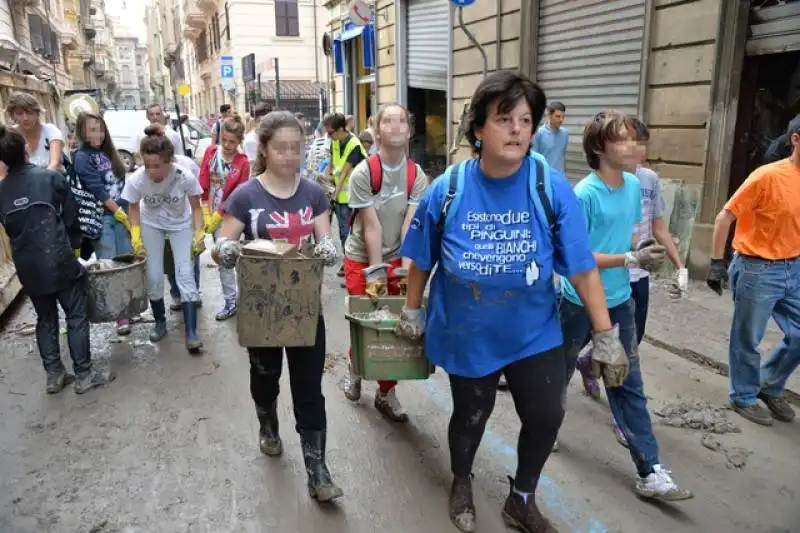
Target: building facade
<point>715,80</point>
<point>127,72</point>
<point>161,44</point>
<point>143,75</point>
<point>256,32</point>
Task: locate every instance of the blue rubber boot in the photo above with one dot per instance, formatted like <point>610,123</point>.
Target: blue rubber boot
<point>159,330</point>
<point>193,342</point>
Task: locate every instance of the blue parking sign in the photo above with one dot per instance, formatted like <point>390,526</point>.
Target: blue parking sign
<point>226,70</point>
<point>462,3</point>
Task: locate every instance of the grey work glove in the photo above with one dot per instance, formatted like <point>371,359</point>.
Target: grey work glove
<point>226,252</point>
<point>326,250</point>
<point>609,360</point>
<point>646,254</point>
<point>411,324</point>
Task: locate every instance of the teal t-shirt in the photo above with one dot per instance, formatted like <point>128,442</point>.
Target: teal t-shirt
<point>610,216</point>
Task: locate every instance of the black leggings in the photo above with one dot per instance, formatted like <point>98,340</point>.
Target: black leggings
<point>306,364</point>
<point>537,386</point>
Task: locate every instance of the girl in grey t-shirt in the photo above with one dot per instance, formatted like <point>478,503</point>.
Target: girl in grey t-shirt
<point>165,205</point>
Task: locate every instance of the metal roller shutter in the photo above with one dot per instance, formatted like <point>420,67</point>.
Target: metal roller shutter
<point>427,44</point>
<point>590,58</point>
<point>774,29</point>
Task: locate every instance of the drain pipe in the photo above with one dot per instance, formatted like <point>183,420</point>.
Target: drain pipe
<point>462,121</point>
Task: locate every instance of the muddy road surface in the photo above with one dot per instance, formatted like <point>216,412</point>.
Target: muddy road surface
<point>171,447</point>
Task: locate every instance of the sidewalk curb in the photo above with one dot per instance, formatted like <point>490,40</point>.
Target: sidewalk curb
<point>714,365</point>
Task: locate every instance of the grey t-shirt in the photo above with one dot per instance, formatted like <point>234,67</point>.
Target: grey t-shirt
<point>653,206</point>
<point>279,219</point>
<point>164,205</point>
<point>391,204</point>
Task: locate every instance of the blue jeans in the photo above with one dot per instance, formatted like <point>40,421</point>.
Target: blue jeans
<point>114,239</point>
<point>762,289</point>
<point>628,403</point>
<point>342,212</point>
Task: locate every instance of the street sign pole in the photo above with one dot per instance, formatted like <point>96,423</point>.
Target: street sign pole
<point>277,84</point>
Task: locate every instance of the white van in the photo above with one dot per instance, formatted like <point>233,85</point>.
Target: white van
<point>126,127</point>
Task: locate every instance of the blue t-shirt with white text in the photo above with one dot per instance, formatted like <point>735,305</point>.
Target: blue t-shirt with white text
<point>492,301</point>
<point>610,215</point>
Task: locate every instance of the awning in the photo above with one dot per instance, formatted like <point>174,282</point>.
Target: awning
<point>351,31</point>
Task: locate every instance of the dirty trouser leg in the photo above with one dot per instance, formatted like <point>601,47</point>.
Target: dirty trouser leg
<point>356,285</point>
<point>473,403</point>
<point>784,360</point>
<point>757,286</point>
<point>306,365</point>
<point>153,239</point>
<point>227,277</point>
<point>266,365</point>
<point>628,402</point>
<point>537,385</point>
<point>343,218</point>
<point>640,292</point>
<point>181,244</point>
<point>46,307</point>
<point>73,302</point>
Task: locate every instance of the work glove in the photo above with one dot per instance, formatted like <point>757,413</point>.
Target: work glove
<point>325,249</point>
<point>717,276</point>
<point>411,324</point>
<point>199,242</point>
<point>646,254</point>
<point>226,252</point>
<point>679,286</point>
<point>206,215</point>
<point>212,222</point>
<point>122,217</point>
<point>609,360</point>
<point>377,284</point>
<point>136,242</point>
<point>76,252</point>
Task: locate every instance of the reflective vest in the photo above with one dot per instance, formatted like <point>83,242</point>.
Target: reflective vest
<point>339,160</point>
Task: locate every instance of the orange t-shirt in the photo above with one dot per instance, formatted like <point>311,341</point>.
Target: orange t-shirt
<point>767,210</point>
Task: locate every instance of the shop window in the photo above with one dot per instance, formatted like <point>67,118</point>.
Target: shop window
<point>287,20</point>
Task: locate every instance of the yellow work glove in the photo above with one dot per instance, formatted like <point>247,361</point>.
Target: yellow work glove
<point>206,216</point>
<point>136,241</point>
<point>76,252</point>
<point>213,222</point>
<point>199,242</point>
<point>122,217</point>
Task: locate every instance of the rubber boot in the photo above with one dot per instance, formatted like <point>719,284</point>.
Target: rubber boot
<point>193,342</point>
<point>159,330</point>
<point>269,440</point>
<point>320,484</point>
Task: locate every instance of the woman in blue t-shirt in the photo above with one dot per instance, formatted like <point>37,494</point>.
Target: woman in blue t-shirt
<point>492,308</point>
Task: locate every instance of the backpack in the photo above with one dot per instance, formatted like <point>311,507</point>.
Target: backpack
<point>540,189</point>
<point>376,179</point>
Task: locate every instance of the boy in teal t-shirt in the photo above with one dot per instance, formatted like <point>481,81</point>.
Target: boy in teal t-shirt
<point>611,203</point>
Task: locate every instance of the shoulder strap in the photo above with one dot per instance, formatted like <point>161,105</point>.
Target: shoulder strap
<point>411,177</point>
<point>375,173</point>
<point>542,193</point>
<point>455,177</point>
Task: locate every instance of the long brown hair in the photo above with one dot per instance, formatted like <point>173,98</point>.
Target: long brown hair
<point>107,147</point>
<point>266,131</point>
<point>234,125</point>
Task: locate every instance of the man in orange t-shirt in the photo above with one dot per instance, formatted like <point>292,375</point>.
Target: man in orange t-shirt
<point>765,281</point>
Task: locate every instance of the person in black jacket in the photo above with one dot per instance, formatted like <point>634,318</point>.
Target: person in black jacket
<point>38,213</point>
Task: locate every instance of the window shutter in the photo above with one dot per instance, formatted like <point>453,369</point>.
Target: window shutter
<point>35,27</point>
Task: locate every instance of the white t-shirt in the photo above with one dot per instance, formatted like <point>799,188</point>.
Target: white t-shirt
<point>188,164</point>
<point>41,156</point>
<point>250,146</point>
<point>164,205</point>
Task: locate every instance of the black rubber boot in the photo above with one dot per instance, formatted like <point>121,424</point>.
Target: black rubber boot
<point>159,330</point>
<point>320,484</point>
<point>269,440</point>
<point>193,342</point>
<point>461,506</point>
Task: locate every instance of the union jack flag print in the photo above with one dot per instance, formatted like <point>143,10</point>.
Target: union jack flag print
<point>294,227</point>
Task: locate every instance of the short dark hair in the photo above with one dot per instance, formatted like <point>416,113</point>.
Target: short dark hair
<point>335,121</point>
<point>261,110</point>
<point>366,137</point>
<point>506,88</point>
<point>556,106</point>
<point>605,127</point>
<point>641,129</point>
<point>12,147</point>
<point>224,108</point>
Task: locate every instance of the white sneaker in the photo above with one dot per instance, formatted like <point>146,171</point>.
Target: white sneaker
<point>389,406</point>
<point>660,486</point>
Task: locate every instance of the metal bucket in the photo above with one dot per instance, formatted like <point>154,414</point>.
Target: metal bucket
<point>116,290</point>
